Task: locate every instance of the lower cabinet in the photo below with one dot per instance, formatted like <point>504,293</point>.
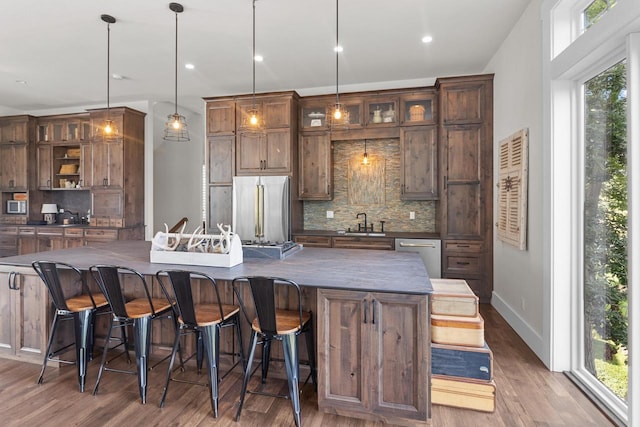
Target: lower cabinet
<point>24,314</point>
<point>373,356</point>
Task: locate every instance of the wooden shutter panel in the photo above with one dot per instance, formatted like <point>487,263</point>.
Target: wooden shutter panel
<point>512,189</point>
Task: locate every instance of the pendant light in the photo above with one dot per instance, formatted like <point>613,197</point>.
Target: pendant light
<point>109,131</point>
<point>253,121</point>
<point>365,158</point>
<point>176,126</point>
<point>337,115</point>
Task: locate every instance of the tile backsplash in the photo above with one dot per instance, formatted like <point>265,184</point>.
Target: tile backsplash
<point>375,191</point>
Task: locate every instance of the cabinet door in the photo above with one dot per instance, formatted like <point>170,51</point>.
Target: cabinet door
<point>27,245</point>
<point>32,316</point>
<point>14,131</point>
<point>221,117</point>
<point>463,207</point>
<point>400,348</point>
<point>463,104</point>
<point>220,206</point>
<point>418,163</point>
<point>249,156</point>
<point>316,167</point>
<point>7,318</point>
<point>107,164</point>
<point>221,151</point>
<point>13,167</point>
<point>277,151</point>
<point>277,113</point>
<point>107,204</point>
<point>44,167</point>
<point>343,362</point>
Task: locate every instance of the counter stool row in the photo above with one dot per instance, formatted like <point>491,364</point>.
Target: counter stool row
<point>74,299</point>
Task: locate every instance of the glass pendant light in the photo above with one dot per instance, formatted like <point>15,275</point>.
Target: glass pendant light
<point>108,130</point>
<point>176,126</point>
<point>365,158</point>
<point>253,121</point>
<point>337,115</point>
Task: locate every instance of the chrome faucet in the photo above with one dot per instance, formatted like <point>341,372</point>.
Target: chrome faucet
<point>366,228</point>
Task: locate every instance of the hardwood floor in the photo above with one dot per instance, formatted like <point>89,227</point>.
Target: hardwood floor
<point>527,395</point>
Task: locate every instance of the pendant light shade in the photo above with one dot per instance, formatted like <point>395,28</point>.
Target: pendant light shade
<point>108,131</point>
<point>253,120</point>
<point>365,157</point>
<point>176,126</point>
<point>337,114</point>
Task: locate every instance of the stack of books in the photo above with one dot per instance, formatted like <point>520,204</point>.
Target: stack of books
<point>461,361</point>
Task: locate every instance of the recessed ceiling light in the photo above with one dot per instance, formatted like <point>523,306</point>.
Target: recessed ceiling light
<point>258,58</point>
<point>427,39</point>
<point>22,82</point>
<point>116,76</point>
<point>338,49</point>
<point>189,66</point>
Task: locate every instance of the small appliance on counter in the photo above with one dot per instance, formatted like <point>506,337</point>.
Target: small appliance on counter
<point>49,210</point>
<point>16,206</point>
<point>262,216</point>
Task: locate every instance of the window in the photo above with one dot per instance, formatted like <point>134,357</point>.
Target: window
<point>604,279</point>
<point>596,10</point>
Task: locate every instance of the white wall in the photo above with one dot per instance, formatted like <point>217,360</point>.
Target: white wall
<point>177,171</point>
<point>518,275</point>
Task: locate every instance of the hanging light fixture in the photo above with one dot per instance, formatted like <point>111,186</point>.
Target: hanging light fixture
<point>253,121</point>
<point>337,115</point>
<point>176,126</point>
<point>365,158</point>
<point>109,131</point>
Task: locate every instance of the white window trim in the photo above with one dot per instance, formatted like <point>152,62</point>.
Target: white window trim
<point>565,61</point>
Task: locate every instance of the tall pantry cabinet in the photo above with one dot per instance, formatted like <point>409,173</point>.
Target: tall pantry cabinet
<point>466,165</point>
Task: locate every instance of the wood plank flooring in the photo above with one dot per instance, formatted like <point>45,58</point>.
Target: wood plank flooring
<point>527,395</point>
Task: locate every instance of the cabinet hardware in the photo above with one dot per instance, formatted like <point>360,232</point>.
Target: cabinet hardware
<point>12,281</point>
<point>462,263</point>
<point>445,182</point>
<point>417,245</point>
<point>402,189</point>
<point>462,246</point>
<point>366,308</point>
<point>11,183</point>
<point>373,312</point>
<point>49,183</point>
<point>105,182</point>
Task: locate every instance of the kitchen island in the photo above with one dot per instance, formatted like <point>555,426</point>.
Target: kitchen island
<point>370,307</point>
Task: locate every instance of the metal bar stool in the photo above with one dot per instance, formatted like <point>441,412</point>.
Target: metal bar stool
<point>81,308</point>
<point>138,312</point>
<point>271,324</point>
<point>205,321</point>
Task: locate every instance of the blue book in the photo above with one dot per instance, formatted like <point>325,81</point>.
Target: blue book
<point>459,361</point>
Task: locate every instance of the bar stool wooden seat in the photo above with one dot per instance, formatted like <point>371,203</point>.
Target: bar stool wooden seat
<point>271,323</point>
<point>137,311</point>
<point>70,305</point>
<point>205,321</point>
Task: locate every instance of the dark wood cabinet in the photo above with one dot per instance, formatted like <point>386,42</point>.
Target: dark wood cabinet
<point>357,242</point>
<point>64,128</point>
<point>466,165</point>
<point>314,241</point>
<point>16,129</point>
<point>267,153</point>
<point>419,163</point>
<point>13,167</point>
<point>373,355</point>
<point>221,117</point>
<point>315,179</point>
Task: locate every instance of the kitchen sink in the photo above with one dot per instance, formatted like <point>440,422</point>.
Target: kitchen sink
<point>349,233</point>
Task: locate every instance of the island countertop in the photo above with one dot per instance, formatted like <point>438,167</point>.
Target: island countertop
<point>348,269</point>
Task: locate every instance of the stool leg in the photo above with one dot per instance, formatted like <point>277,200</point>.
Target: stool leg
<point>142,332</point>
<point>290,347</point>
<point>247,372</point>
<point>199,351</point>
<point>104,356</point>
<point>210,340</point>
<point>82,326</point>
<point>266,356</point>
<point>176,344</point>
<point>54,324</point>
<point>311,352</point>
<point>240,345</point>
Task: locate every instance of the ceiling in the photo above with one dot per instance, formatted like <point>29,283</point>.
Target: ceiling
<point>54,53</point>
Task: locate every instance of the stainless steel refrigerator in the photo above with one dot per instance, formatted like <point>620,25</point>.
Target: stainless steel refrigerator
<point>262,208</point>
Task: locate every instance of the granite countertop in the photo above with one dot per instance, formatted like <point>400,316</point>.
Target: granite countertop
<point>348,269</point>
<point>394,234</point>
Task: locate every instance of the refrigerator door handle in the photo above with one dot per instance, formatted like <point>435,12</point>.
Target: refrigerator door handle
<point>259,211</point>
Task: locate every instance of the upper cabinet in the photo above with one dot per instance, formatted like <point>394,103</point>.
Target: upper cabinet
<point>16,129</point>
<point>381,111</point>
<point>64,128</point>
<point>463,103</point>
<point>419,163</point>
<point>221,117</point>
<point>418,109</point>
<point>315,177</point>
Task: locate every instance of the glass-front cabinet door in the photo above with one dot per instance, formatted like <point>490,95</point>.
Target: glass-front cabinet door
<point>381,111</point>
<point>418,109</point>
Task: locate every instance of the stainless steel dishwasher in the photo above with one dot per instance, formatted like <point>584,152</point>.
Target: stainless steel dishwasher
<point>429,250</point>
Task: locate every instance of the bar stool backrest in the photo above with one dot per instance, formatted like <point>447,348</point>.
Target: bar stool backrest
<point>182,289</point>
<point>107,277</point>
<point>263,291</point>
<point>48,272</point>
